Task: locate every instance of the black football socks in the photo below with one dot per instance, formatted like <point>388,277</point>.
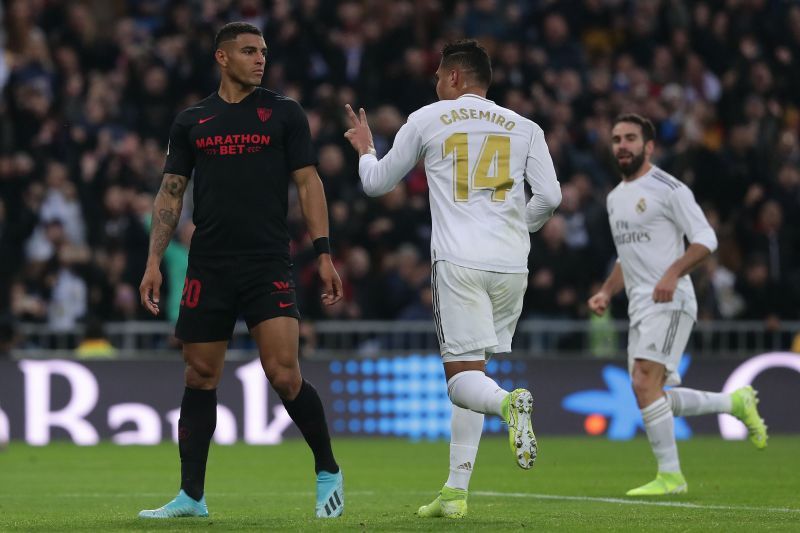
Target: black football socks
<point>195,428</point>
<point>307,412</point>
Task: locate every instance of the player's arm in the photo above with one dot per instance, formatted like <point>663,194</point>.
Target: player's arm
<point>702,241</point>
<point>614,283</point>
<point>315,212</point>
<point>380,177</point>
<point>166,214</point>
<point>166,211</point>
<point>541,176</point>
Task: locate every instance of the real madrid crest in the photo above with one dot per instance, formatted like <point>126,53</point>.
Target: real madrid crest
<point>641,206</point>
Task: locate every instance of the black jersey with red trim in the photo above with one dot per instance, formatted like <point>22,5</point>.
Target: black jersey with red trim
<point>242,155</point>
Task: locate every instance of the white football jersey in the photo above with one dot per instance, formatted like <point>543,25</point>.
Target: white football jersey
<point>477,156</point>
<point>649,218</point>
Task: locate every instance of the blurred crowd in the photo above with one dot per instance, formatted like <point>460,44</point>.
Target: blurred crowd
<point>89,89</point>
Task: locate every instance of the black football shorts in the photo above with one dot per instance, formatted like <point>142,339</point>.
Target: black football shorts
<point>218,290</point>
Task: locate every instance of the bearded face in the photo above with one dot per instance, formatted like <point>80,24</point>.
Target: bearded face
<point>627,162</point>
<point>629,148</point>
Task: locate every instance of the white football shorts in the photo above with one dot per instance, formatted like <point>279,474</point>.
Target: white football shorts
<point>661,337</point>
<point>475,310</point>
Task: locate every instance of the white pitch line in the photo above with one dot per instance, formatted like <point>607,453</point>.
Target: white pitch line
<point>531,495</point>
<point>622,501</point>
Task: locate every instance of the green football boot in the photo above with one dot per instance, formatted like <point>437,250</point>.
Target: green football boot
<point>744,402</point>
<point>450,503</point>
<point>517,410</point>
<point>665,483</point>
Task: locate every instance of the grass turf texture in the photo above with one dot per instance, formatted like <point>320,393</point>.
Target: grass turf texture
<point>577,484</point>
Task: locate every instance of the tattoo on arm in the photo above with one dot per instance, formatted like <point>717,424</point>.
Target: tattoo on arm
<point>173,185</point>
<point>168,217</point>
<point>166,212</point>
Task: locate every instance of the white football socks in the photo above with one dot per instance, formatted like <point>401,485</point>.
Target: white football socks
<point>660,427</point>
<point>465,434</point>
<point>690,402</point>
<point>474,390</point>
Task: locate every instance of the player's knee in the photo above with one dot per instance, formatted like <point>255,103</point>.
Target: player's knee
<point>454,399</point>
<point>647,389</point>
<point>201,373</point>
<point>286,383</point>
<point>642,387</point>
<point>201,376</point>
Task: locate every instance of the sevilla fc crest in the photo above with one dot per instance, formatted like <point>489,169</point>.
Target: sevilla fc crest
<point>264,113</point>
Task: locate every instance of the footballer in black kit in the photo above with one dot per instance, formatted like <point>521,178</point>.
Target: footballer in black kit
<point>242,155</point>
<point>241,146</point>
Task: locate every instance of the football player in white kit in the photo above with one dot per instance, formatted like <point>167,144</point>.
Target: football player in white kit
<point>650,213</point>
<point>477,156</point>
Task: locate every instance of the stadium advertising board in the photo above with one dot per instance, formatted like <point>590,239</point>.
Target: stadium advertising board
<point>137,402</point>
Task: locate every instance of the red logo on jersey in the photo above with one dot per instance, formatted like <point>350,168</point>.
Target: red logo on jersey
<point>238,143</point>
<point>284,305</point>
<point>204,120</point>
<point>264,113</point>
<point>281,285</point>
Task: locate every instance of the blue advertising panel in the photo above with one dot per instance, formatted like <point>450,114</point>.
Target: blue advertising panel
<point>137,402</point>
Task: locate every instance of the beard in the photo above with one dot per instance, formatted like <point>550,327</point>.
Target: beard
<point>633,166</point>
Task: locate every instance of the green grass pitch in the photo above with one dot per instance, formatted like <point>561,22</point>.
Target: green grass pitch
<point>577,484</point>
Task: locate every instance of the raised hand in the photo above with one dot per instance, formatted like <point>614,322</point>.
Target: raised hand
<point>359,133</point>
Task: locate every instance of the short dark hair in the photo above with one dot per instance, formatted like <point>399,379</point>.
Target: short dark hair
<point>231,30</point>
<point>469,55</point>
<point>648,130</point>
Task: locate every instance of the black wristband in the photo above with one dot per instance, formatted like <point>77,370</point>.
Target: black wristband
<point>322,245</point>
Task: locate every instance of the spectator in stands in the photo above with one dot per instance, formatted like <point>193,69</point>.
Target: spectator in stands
<point>558,274</point>
<point>90,87</point>
<point>772,240</point>
<point>766,299</point>
<point>94,344</point>
<point>363,286</point>
<point>68,293</point>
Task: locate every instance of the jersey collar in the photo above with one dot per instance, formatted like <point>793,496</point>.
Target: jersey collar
<point>649,173</point>
<point>242,101</point>
<point>470,95</point>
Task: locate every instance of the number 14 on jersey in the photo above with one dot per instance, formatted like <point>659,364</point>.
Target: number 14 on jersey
<point>491,172</point>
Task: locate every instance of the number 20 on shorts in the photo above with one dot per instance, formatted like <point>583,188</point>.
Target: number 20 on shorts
<point>493,157</point>
<point>191,292</point>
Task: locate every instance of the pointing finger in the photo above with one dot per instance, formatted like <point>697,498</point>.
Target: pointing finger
<point>351,115</point>
<point>363,115</point>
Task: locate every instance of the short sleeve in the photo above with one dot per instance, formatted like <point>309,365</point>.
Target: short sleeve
<point>299,149</point>
<point>180,156</point>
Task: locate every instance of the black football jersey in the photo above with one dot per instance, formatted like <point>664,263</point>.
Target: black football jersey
<point>242,155</point>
